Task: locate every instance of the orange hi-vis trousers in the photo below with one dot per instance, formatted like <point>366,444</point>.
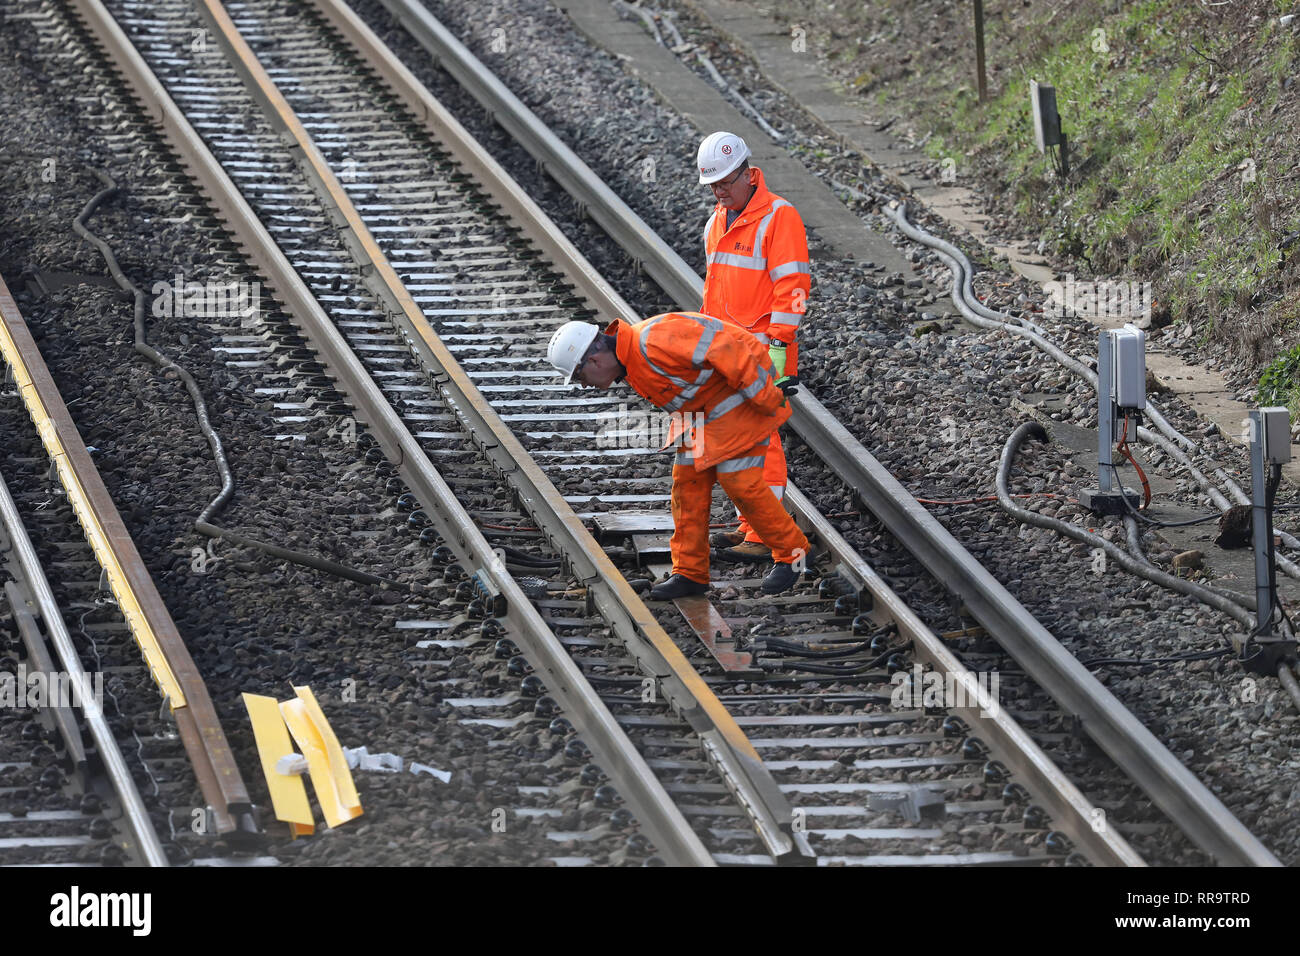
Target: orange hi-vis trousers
<point>774,476</point>
<point>743,481</point>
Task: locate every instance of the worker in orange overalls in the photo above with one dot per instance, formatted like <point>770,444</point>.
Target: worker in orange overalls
<point>720,385</point>
<point>757,278</point>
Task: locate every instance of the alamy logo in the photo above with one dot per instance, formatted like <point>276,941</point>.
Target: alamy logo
<point>920,688</point>
<point>75,908</point>
<point>1101,299</point>
<point>640,429</point>
<point>39,689</point>
<point>214,300</point>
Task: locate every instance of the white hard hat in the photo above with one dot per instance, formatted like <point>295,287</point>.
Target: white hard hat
<point>719,155</point>
<point>568,345</point>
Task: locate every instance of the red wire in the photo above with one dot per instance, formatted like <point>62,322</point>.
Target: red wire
<point>1124,450</point>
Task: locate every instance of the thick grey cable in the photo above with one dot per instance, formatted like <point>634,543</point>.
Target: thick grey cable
<point>1234,605</point>
<point>1287,677</point>
<point>1135,540</point>
<point>963,296</point>
<point>202,523</point>
<point>960,281</point>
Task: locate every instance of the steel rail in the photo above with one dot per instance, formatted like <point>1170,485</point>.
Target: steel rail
<point>42,596</point>
<point>645,795</point>
<point>1186,800</point>
<point>151,624</point>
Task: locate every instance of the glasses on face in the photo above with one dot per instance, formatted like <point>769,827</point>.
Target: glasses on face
<point>725,184</point>
<point>579,374</point>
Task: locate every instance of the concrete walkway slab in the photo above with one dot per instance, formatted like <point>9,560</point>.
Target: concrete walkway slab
<point>840,231</point>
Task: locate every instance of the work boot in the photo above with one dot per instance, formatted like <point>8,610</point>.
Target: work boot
<point>781,578</point>
<point>726,539</point>
<point>753,552</point>
<point>677,586</point>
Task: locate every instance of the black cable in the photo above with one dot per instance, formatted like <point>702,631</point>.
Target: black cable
<point>849,668</point>
<point>1156,521</point>
<point>201,524</point>
<point>800,649</point>
<point>1176,659</point>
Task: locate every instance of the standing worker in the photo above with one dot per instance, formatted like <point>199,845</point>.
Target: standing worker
<point>720,385</point>
<point>758,279</point>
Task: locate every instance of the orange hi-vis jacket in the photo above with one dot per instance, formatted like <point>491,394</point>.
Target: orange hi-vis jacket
<point>716,378</point>
<point>758,275</point>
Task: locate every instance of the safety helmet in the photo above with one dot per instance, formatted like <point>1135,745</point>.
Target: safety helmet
<point>719,156</point>
<point>568,345</point>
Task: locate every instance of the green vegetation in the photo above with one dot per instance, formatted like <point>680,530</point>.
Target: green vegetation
<point>1280,383</point>
<point>1181,140</point>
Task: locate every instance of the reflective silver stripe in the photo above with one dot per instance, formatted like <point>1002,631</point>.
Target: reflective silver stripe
<point>765,442</point>
<point>711,328</point>
<point>740,464</point>
<point>727,404</point>
<point>758,263</point>
<point>788,269</point>
<point>684,458</point>
<point>749,391</point>
<point>640,342</point>
<point>778,490</point>
<point>708,227</point>
<point>786,318</point>
<point>686,394</point>
<point>762,337</point>
<point>765,222</point>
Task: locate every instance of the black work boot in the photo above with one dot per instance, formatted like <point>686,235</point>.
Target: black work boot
<point>677,586</point>
<point>781,578</point>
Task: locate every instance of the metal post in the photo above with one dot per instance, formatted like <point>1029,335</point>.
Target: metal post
<point>1105,412</point>
<point>1262,528</point>
<point>979,51</point>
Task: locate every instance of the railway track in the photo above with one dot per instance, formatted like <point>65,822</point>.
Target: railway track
<point>426,285</point>
<point>95,773</point>
<point>384,237</point>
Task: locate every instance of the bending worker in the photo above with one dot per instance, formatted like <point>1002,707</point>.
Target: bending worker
<point>757,279</point>
<point>720,385</point>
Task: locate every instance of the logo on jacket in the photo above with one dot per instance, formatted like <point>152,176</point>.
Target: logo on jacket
<point>741,247</point>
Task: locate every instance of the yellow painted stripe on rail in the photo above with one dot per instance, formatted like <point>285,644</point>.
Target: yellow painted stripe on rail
<point>130,607</point>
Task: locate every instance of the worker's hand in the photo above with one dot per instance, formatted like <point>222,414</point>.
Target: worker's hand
<point>789,384</point>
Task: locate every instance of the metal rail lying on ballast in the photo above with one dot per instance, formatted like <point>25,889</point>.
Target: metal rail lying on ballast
<point>141,605</point>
